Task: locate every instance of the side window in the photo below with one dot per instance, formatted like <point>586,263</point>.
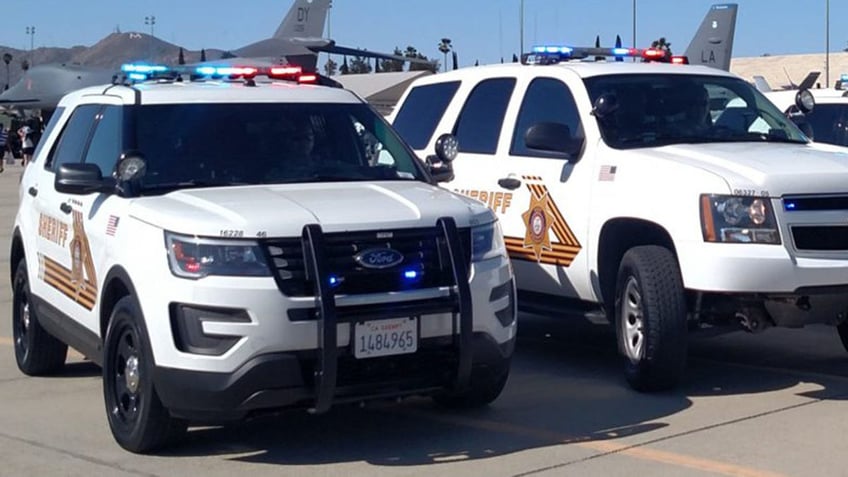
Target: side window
<point>51,125</point>
<point>546,100</point>
<point>105,145</point>
<point>74,137</point>
<point>479,124</point>
<point>421,112</point>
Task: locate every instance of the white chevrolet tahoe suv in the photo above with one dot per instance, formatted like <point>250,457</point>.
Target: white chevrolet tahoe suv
<point>224,248</point>
<point>663,197</point>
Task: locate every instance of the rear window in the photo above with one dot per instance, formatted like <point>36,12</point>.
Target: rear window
<point>422,110</point>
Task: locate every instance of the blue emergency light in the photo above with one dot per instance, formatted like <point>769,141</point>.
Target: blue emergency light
<point>143,72</point>
<point>552,54</point>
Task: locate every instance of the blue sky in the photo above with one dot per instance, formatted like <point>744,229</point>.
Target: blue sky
<point>483,30</point>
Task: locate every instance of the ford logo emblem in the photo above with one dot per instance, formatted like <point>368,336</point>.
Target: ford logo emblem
<point>378,258</point>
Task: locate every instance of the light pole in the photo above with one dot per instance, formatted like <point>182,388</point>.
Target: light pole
<point>827,45</point>
<point>7,58</point>
<point>634,27</point>
<point>634,23</point>
<point>30,30</point>
<point>150,20</point>
<point>521,28</point>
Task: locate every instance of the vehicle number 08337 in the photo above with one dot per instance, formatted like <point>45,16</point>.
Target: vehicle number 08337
<point>385,337</point>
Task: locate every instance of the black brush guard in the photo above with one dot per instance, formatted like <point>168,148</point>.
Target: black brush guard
<point>459,305</point>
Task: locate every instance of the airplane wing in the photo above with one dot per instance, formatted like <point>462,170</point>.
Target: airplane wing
<point>344,50</point>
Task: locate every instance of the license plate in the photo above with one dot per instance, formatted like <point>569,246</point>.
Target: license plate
<point>385,337</point>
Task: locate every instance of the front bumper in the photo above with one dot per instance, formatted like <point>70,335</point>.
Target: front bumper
<point>753,268</point>
<point>285,380</point>
<point>284,351</point>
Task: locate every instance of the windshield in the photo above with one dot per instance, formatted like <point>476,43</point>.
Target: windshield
<point>203,145</point>
<point>655,110</point>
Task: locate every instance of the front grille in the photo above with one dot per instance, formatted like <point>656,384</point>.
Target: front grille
<point>822,238</point>
<point>813,203</point>
<point>423,250</point>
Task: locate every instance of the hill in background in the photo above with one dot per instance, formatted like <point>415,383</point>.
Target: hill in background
<point>110,52</point>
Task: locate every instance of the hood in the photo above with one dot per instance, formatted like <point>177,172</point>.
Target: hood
<point>283,210</point>
<point>777,169</point>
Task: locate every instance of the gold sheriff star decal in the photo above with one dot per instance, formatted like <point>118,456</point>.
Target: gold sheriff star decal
<point>538,220</point>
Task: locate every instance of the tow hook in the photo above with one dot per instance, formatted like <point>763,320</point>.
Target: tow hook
<point>753,320</point>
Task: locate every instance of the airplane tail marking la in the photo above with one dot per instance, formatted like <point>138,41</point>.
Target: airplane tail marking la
<point>712,44</point>
<point>305,19</point>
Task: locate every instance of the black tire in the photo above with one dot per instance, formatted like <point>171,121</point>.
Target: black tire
<point>486,385</point>
<point>842,328</point>
<point>138,420</point>
<point>37,352</point>
<point>650,311</point>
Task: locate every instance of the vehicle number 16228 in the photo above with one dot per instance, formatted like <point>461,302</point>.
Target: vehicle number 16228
<point>385,337</point>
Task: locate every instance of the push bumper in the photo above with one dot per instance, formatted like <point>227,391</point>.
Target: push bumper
<point>287,380</point>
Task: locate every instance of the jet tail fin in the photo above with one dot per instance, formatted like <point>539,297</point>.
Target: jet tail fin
<point>761,84</point>
<point>306,18</point>
<point>712,44</point>
<point>810,80</point>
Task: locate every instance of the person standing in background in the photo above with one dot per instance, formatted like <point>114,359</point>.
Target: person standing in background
<point>27,145</point>
<point>4,141</point>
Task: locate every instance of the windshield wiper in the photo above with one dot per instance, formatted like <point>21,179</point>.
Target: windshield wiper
<point>191,184</point>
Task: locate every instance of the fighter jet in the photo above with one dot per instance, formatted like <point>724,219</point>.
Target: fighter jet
<point>44,85</point>
<point>298,40</point>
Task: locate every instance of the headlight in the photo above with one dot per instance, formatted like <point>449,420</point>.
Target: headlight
<point>738,219</point>
<point>192,257</point>
<point>487,242</point>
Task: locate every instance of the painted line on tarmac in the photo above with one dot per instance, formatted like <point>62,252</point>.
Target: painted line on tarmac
<point>605,448</point>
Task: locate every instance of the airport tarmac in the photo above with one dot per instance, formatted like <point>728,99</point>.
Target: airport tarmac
<point>765,405</point>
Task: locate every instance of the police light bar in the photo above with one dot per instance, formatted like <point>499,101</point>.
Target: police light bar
<point>552,54</point>
<point>142,72</point>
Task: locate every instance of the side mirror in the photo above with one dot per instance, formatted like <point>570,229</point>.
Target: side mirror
<point>81,178</point>
<point>554,138</point>
<point>804,101</point>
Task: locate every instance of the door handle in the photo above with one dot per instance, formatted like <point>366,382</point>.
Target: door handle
<point>510,182</point>
<point>65,207</point>
<point>33,191</point>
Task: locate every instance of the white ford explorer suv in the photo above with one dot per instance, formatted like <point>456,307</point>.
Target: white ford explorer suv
<point>666,195</point>
<point>228,247</point>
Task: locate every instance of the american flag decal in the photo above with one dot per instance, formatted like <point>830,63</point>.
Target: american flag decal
<point>112,225</point>
<point>607,173</point>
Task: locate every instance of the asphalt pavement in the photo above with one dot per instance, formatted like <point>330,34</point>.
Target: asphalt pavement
<point>751,405</point>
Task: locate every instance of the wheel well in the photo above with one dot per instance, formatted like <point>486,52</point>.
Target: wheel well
<point>114,290</point>
<point>617,237</point>
<point>15,254</point>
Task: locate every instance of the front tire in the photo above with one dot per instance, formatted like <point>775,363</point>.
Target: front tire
<point>486,385</point>
<point>650,311</point>
<point>37,352</point>
<point>842,328</point>
<point>138,420</point>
